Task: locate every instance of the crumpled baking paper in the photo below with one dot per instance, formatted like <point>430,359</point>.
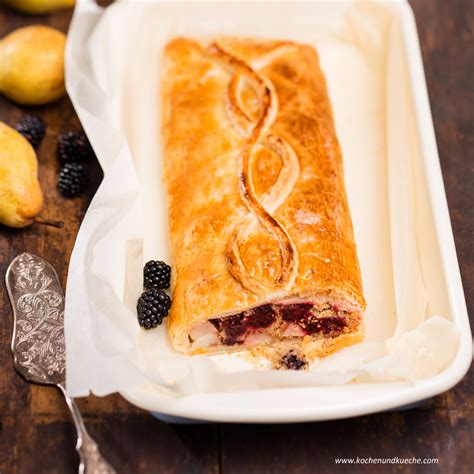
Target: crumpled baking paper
<point>112,71</point>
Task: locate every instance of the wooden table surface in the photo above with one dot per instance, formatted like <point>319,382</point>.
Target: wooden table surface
<point>36,433</point>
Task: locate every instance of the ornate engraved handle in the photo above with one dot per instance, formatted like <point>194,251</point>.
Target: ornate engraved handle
<point>92,461</point>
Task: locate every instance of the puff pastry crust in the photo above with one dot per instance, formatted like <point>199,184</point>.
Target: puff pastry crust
<point>258,215</point>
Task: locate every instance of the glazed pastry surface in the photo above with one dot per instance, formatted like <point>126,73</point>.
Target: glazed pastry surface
<point>257,205</point>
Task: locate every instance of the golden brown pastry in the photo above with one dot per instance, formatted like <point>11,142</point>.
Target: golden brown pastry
<point>262,239</point>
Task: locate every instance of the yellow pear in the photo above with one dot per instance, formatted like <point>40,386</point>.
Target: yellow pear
<point>21,198</point>
<point>32,65</point>
<point>37,7</point>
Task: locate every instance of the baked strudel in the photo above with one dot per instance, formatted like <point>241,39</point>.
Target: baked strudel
<point>261,234</point>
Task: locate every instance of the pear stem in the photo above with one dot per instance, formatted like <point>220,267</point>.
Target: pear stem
<point>43,221</point>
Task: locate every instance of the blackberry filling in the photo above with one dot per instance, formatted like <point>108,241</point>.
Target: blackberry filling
<point>231,329</point>
<point>260,317</point>
<point>328,325</point>
<point>294,313</point>
<point>302,314</point>
<point>235,329</point>
<point>233,326</point>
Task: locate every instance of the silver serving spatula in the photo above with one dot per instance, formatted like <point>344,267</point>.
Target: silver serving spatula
<point>38,345</point>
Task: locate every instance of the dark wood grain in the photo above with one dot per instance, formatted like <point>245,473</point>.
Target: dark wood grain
<point>36,435</point>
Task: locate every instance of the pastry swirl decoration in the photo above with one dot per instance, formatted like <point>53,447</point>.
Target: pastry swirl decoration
<point>257,134</point>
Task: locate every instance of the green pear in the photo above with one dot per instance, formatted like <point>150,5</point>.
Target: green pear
<point>21,198</point>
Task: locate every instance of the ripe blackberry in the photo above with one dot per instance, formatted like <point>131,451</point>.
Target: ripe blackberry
<point>152,307</point>
<point>32,128</point>
<point>74,146</point>
<point>156,274</point>
<point>73,179</point>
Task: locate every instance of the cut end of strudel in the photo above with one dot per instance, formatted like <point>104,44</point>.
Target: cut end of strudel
<point>260,228</point>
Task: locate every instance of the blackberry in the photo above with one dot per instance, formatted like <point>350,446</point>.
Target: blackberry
<point>156,274</point>
<point>292,361</point>
<point>152,307</point>
<point>32,128</point>
<point>74,146</point>
<point>73,179</point>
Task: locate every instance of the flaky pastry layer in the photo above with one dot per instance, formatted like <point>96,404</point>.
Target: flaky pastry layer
<point>257,205</point>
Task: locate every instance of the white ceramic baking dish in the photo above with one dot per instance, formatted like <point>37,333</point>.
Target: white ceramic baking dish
<point>443,284</point>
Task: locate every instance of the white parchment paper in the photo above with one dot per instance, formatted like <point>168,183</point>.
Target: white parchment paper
<point>112,68</point>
